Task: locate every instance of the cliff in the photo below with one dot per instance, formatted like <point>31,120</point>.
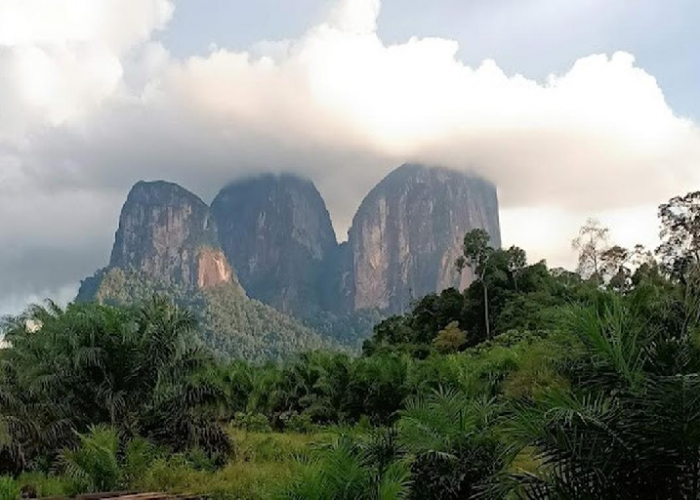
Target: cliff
<point>407,235</point>
<point>168,234</point>
<point>167,243</point>
<point>276,231</point>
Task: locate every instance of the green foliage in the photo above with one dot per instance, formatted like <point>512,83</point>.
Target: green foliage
<point>233,325</point>
<point>351,469</point>
<point>450,339</point>
<point>9,488</point>
<point>256,422</point>
<point>264,466</point>
<point>586,389</point>
<point>93,466</point>
<point>626,428</point>
<point>39,485</point>
<point>141,370</point>
<point>450,436</point>
<point>520,297</point>
<point>297,423</point>
<point>139,455</point>
<point>476,251</point>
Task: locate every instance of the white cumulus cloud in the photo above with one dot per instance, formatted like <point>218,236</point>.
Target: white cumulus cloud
<point>90,104</point>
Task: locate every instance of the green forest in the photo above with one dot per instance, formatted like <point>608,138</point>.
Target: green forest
<point>532,383</point>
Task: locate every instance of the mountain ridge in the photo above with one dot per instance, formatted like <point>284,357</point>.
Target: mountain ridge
<point>266,244</point>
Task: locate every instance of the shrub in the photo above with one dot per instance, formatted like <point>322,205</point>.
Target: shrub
<point>296,422</point>
<point>93,466</point>
<point>254,422</point>
<point>9,488</point>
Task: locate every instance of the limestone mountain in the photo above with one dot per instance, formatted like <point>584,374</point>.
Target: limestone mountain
<point>167,242</point>
<point>167,233</point>
<point>270,238</point>
<point>277,233</point>
<point>407,235</point>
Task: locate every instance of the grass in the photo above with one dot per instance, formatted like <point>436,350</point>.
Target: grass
<point>275,446</point>
<point>264,464</point>
<point>237,480</point>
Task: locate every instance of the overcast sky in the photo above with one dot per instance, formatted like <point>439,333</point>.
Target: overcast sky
<point>575,109</point>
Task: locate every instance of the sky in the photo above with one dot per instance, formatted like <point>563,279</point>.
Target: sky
<point>574,109</point>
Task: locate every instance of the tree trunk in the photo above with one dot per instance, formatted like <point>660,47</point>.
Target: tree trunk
<point>486,309</point>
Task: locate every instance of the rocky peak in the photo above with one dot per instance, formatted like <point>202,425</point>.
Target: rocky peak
<point>167,233</point>
<point>407,234</point>
<point>276,231</point>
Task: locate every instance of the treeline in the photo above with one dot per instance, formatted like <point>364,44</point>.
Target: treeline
<point>532,383</point>
<point>99,398</point>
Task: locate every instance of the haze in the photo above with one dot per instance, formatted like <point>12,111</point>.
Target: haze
<point>574,109</point>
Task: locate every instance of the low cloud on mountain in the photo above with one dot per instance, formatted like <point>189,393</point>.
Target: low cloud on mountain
<point>90,103</point>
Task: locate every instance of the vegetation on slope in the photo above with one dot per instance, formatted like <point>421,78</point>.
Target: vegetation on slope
<point>232,324</point>
<point>582,386</point>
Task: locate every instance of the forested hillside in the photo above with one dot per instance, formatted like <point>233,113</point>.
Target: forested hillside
<point>532,383</point>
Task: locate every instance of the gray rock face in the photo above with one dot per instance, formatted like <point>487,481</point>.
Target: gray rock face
<point>167,243</point>
<point>167,233</point>
<point>277,233</point>
<point>407,235</point>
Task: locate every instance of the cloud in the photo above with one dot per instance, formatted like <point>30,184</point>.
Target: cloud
<point>92,105</point>
<point>114,24</point>
<point>59,61</point>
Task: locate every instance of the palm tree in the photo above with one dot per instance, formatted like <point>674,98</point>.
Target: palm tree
<point>629,426</point>
<point>142,370</point>
<point>352,469</point>
<point>450,438</point>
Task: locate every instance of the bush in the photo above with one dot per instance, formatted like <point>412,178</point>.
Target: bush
<point>139,455</point>
<point>296,422</point>
<point>93,466</point>
<point>36,484</point>
<point>254,422</point>
<point>9,488</point>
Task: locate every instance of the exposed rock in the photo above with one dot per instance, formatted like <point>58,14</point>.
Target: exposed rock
<point>407,235</point>
<point>213,268</point>
<point>167,243</point>
<point>168,234</point>
<point>232,324</point>
<point>276,231</point>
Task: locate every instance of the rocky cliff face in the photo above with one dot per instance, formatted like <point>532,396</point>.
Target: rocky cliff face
<point>277,234</point>
<point>168,234</point>
<point>276,231</point>
<point>407,234</point>
<point>167,243</point>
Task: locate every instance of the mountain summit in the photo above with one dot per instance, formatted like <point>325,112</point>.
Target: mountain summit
<point>277,232</point>
<point>407,235</point>
<point>167,242</point>
<point>274,234</point>
<point>167,233</point>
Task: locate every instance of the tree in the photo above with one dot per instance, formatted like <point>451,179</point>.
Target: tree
<point>627,427</point>
<point>454,447</point>
<point>476,254</point>
<point>614,269</point>
<point>142,370</point>
<point>680,234</point>
<point>517,261</point>
<point>591,243</point>
<point>450,339</point>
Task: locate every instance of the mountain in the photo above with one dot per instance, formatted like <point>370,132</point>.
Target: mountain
<point>167,233</point>
<point>167,242</point>
<point>266,248</point>
<point>407,234</point>
<point>277,233</point>
<point>403,243</point>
